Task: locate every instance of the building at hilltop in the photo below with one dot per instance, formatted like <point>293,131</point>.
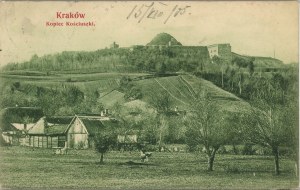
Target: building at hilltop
<point>114,45</point>
<point>221,50</point>
<point>164,40</point>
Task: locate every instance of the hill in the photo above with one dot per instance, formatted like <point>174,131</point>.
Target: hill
<point>261,62</point>
<point>163,39</point>
<point>182,90</point>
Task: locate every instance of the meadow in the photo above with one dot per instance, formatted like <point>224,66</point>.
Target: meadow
<point>24,167</point>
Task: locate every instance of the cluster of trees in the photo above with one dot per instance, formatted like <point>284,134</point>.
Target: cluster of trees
<point>271,122</point>
<point>239,77</point>
<point>101,60</point>
<point>59,100</point>
<point>139,59</point>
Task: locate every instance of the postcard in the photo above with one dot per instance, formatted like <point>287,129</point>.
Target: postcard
<point>149,95</point>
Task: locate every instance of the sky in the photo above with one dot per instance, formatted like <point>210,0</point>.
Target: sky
<point>252,28</point>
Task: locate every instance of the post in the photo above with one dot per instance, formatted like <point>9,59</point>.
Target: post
<point>101,158</point>
<point>276,160</point>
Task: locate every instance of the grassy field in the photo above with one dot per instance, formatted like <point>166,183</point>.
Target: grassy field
<point>183,88</point>
<point>104,82</point>
<point>25,167</point>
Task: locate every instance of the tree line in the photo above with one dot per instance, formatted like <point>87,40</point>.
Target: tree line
<point>141,59</point>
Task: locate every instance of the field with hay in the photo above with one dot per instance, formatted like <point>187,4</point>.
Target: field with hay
<point>40,168</point>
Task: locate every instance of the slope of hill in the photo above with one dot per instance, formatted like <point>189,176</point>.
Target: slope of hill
<point>182,90</point>
<point>263,62</point>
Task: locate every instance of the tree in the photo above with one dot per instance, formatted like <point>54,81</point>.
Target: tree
<point>251,68</point>
<point>231,77</point>
<point>73,95</point>
<point>104,141</point>
<point>161,103</point>
<point>207,126</point>
<point>218,61</point>
<point>270,126</point>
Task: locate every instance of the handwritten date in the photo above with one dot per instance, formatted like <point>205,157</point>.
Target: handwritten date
<point>156,10</point>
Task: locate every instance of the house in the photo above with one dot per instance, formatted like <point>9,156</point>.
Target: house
<point>16,121</point>
<point>48,132</point>
<point>73,132</point>
<point>11,135</point>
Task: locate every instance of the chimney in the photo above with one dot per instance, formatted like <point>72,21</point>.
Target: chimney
<point>102,114</point>
<point>106,111</point>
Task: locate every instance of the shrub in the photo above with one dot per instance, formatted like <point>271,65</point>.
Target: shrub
<point>231,168</point>
<point>248,150</point>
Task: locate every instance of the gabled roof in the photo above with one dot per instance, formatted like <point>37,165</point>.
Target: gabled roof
<point>112,123</point>
<point>51,126</point>
<point>38,128</point>
<point>61,125</point>
<point>59,120</point>
<point>10,127</point>
<point>56,129</point>
<point>19,115</point>
<point>20,126</point>
<point>92,126</point>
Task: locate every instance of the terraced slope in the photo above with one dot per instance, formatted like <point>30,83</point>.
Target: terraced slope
<point>182,90</point>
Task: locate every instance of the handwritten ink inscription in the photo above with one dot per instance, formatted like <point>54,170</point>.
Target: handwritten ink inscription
<point>157,10</point>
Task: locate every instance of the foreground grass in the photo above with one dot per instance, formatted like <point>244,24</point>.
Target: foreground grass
<point>25,167</point>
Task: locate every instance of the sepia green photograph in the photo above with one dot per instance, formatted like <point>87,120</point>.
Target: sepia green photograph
<point>149,95</point>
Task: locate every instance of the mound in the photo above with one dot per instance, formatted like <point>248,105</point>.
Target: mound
<point>163,39</point>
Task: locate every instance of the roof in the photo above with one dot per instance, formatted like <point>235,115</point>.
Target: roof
<point>38,128</point>
<point>92,126</point>
<point>56,129</point>
<point>51,126</point>
<point>19,115</point>
<point>20,126</point>
<point>10,127</point>
<point>60,125</point>
<point>226,44</point>
<point>112,123</point>
<point>57,125</point>
<point>59,120</point>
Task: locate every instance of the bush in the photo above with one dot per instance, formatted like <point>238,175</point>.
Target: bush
<point>231,168</point>
<point>248,150</point>
<point>222,150</point>
<point>80,145</point>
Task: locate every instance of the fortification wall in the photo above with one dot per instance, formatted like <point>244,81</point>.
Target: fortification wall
<point>224,51</point>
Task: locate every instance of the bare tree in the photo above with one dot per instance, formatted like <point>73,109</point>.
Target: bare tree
<point>216,59</point>
<point>207,126</point>
<point>271,127</point>
<point>161,103</point>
